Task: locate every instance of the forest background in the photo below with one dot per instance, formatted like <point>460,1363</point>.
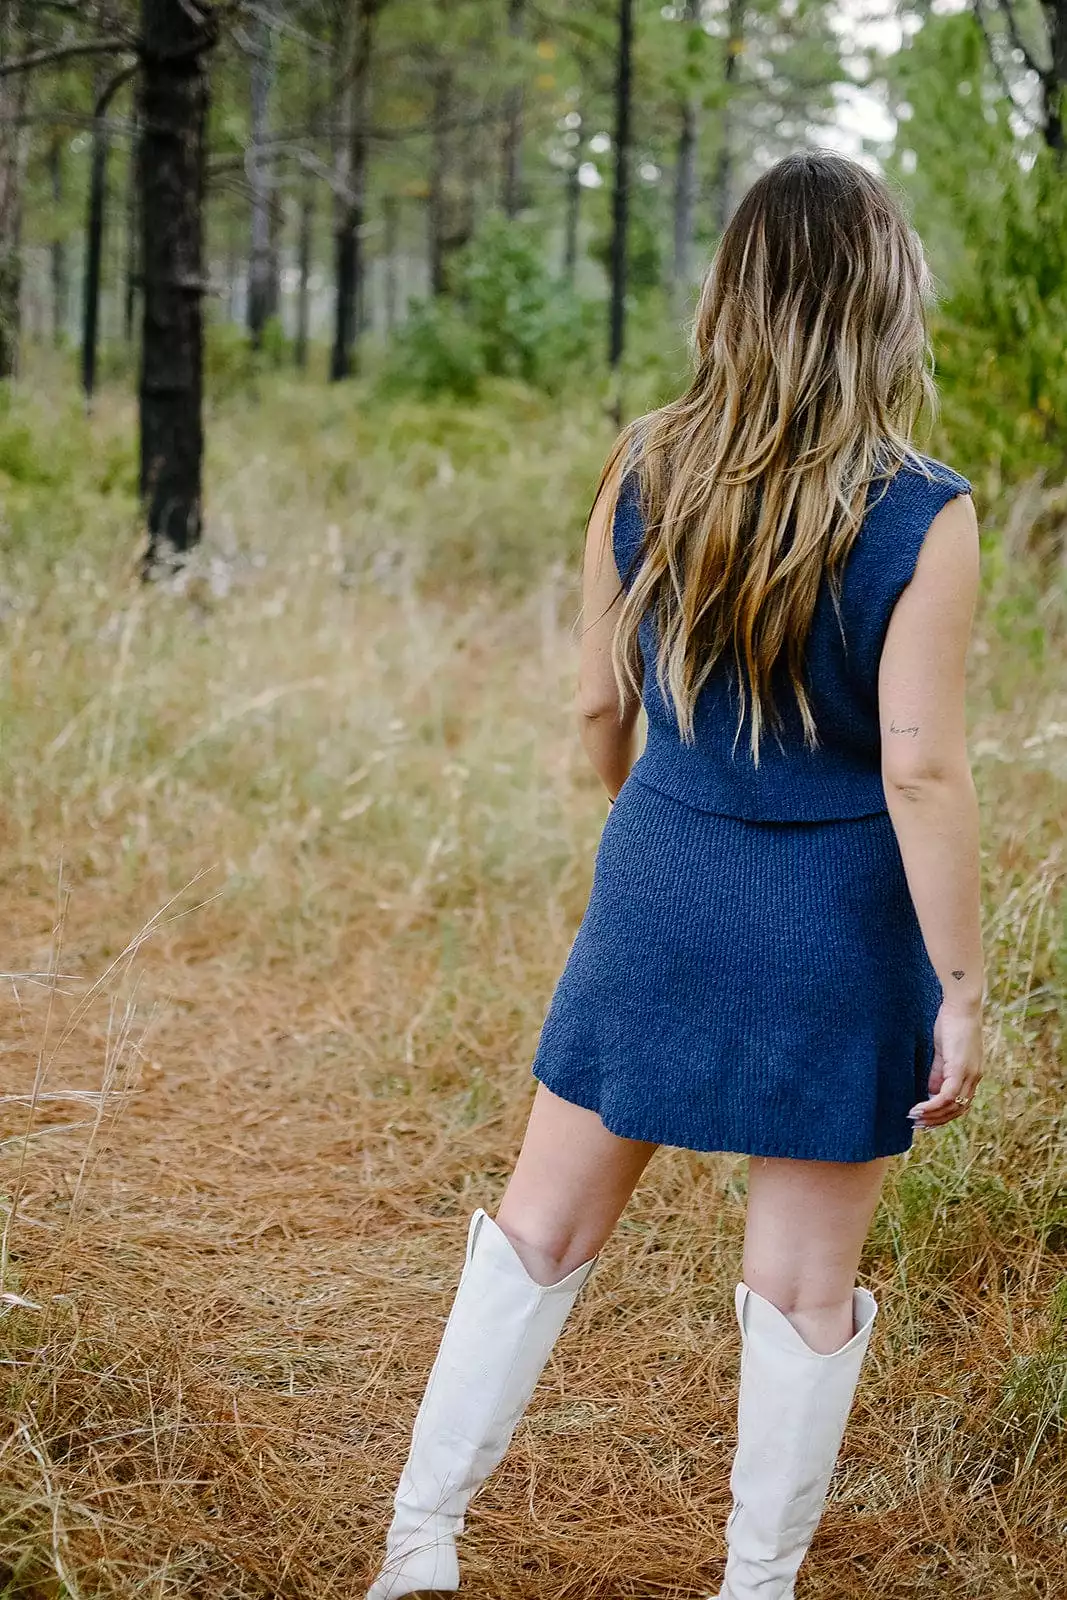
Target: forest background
<point>316,321</point>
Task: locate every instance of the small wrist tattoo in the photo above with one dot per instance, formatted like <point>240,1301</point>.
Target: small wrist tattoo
<point>958,975</point>
<point>913,729</point>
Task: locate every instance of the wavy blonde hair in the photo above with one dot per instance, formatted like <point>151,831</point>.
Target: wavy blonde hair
<point>812,365</point>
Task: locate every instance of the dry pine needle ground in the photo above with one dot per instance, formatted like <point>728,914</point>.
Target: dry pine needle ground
<point>290,861</point>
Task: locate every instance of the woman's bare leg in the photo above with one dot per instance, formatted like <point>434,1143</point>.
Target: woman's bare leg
<point>806,1224</point>
<point>570,1186</point>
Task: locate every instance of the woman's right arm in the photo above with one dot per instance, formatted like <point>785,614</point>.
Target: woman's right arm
<point>930,792</point>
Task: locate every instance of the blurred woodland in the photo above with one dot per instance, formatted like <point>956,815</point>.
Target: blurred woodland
<point>320,315</point>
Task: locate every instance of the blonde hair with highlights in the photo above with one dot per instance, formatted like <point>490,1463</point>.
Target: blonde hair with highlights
<point>812,366</point>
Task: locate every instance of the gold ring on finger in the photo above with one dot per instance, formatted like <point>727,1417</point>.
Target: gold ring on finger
<point>959,1101</point>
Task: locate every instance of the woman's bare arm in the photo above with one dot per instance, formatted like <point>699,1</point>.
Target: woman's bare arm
<point>929,788</point>
<point>607,733</point>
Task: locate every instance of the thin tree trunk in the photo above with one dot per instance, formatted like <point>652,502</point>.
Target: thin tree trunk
<point>94,232</point>
<point>306,229</point>
<point>685,177</point>
<point>350,206</point>
<point>13,94</point>
<point>132,270</point>
<point>176,36</point>
<point>58,249</point>
<point>303,291</point>
<point>572,215</point>
<point>722,200</point>
<point>512,196</point>
<point>1054,81</point>
<point>621,199</point>
<point>94,255</point>
<point>233,269</point>
<point>685,182</point>
<point>276,215</point>
<point>259,266</point>
<point>439,159</point>
<point>391,214</point>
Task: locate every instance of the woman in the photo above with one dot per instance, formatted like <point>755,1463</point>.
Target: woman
<point>781,955</point>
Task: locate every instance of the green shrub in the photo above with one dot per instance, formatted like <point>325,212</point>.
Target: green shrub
<point>436,352</point>
<point>506,317</point>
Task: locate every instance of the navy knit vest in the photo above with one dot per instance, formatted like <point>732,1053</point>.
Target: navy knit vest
<point>842,777</point>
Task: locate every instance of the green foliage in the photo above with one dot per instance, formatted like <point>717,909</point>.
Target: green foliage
<point>230,363</point>
<point>644,256</point>
<point>274,349</point>
<point>436,352</point>
<point>992,205</point>
<point>507,318</point>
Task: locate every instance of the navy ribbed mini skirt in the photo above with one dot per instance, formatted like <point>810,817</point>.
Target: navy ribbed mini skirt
<point>758,987</point>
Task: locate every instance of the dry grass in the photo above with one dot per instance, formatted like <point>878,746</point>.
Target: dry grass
<point>242,1145</point>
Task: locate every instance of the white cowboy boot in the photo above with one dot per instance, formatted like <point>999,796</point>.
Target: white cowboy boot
<point>499,1334</point>
<point>791,1413</point>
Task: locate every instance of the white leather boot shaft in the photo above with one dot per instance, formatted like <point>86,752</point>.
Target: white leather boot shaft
<point>498,1336</point>
<point>792,1408</point>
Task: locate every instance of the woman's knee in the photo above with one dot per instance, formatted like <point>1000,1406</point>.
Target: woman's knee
<point>549,1246</point>
<point>822,1315</point>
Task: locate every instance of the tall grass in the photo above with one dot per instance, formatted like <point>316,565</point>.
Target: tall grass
<point>292,853</point>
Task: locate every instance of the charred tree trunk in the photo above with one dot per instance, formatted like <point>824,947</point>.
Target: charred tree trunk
<point>390,244</point>
<point>512,196</point>
<point>303,291</point>
<point>276,214</point>
<point>439,159</point>
<point>351,202</point>
<point>1054,77</point>
<point>132,269</point>
<point>620,211</point>
<point>233,265</point>
<point>12,171</point>
<point>94,232</point>
<point>724,170</point>
<point>259,259</point>
<point>176,36</point>
<point>57,253</point>
<point>685,177</point>
<point>306,233</point>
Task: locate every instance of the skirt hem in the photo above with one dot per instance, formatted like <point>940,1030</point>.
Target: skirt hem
<point>741,1146</point>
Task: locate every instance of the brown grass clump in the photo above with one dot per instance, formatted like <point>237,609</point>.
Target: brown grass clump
<point>335,786</point>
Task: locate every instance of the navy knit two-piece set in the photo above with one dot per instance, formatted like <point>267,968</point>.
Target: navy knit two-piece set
<point>750,974</point>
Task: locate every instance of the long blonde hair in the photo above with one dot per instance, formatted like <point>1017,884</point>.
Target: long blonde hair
<point>812,364</point>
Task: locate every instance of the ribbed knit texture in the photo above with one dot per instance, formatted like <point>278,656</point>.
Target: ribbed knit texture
<point>750,974</point>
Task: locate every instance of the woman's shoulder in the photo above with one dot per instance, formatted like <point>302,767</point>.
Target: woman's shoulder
<point>918,469</point>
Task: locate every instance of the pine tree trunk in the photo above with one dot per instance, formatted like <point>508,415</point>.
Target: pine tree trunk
<point>685,182</point>
<point>350,205</point>
<point>724,172</point>
<point>13,92</point>
<point>572,215</point>
<point>132,269</point>
<point>94,233</point>
<point>621,198</point>
<point>259,264</point>
<point>513,122</point>
<point>276,215</point>
<point>176,36</point>
<point>685,179</point>
<point>1054,84</point>
<point>58,250</point>
<point>94,255</point>
<point>391,210</point>
<point>303,292</point>
<point>439,160</point>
